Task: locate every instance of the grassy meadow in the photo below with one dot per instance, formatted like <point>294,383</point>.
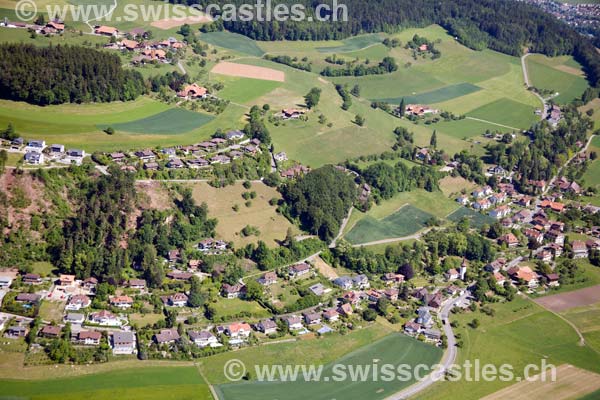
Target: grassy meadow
<point>561,74</point>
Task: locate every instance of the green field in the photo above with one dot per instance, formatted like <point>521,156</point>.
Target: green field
<point>477,219</point>
<point>512,113</point>
<point>587,320</point>
<point>170,122</point>
<point>438,95</point>
<point>406,221</point>
<point>135,383</point>
<point>353,44</point>
<point>558,75</point>
<point>244,90</point>
<point>592,174</point>
<point>233,41</point>
<point>395,349</point>
<point>519,333</point>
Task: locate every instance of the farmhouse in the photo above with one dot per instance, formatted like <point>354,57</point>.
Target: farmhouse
<point>292,113</point>
<point>419,110</point>
<point>106,30</point>
<point>193,91</point>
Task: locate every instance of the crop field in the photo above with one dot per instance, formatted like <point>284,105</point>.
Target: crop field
<point>395,349</point>
<point>353,44</point>
<point>550,74</point>
<point>170,122</point>
<point>404,222</point>
<point>477,219</point>
<point>244,90</point>
<point>587,321</point>
<point>570,383</point>
<point>135,383</point>
<point>260,214</point>
<point>233,41</point>
<point>438,95</point>
<point>513,336</point>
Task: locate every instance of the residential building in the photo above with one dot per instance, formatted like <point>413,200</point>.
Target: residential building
<point>77,302</point>
<point>267,326</point>
<point>166,336</point>
<point>233,291</point>
<point>123,343</point>
<point>88,338</point>
<point>175,300</point>
<point>204,339</point>
<point>238,330</point>
<point>580,249</point>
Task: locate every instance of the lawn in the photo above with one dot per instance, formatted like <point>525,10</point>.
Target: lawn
<point>225,309</point>
<point>477,219</point>
<point>233,41</point>
<point>135,383</point>
<point>506,112</point>
<point>592,174</point>
<point>43,268</point>
<point>260,214</point>
<point>244,90</point>
<point>587,320</point>
<point>395,349</point>
<point>142,320</point>
<point>519,333</point>
<point>438,95</point>
<point>406,221</point>
<point>550,74</point>
<point>170,122</point>
<point>52,311</point>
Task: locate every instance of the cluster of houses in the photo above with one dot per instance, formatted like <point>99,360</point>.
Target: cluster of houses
<point>485,198</point>
<point>53,27</point>
<point>36,152</point>
<point>201,155</point>
<point>419,110</point>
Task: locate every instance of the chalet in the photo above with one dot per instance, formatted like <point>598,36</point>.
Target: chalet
<point>139,32</point>
<point>331,315</point>
<point>166,336</point>
<point>293,322</point>
<point>534,235</point>
<point>77,302</point>
<point>124,343</point>
<point>34,158</point>
<point>238,330</point>
<point>88,338</point>
<point>298,270</point>
<point>553,280</point>
<point>204,339</point>
<point>139,284</point>
<point>151,166</point>
<point>294,172</point>
<point>197,163</point>
<point>525,201</point>
<point>544,255</point>
<point>374,295</point>
<point>104,318</point>
<point>499,278</point>
<point>233,291</point>
<point>556,249</point>
<point>420,294</point>
<point>435,301</point>
<point>312,318</point>
<point>554,206</point>
<point>559,226</point>
<point>218,141</point>
<point>145,155</point>
<point>193,91</point>
<point>580,249</point>
<point>220,159</point>
<point>123,302</point>
<point>74,318</point>
<point>175,300</point>
<point>412,327</point>
<point>524,274</point>
<point>419,110</point>
<point>267,326</point>
<point>251,149</point>
<point>498,198</point>
<point>422,154</point>
<point>50,331</point>
<point>292,113</point>
<point>117,157</point>
<point>497,170</point>
<point>391,279</point>
<point>66,280</point>
<point>234,135</point>
<point>174,256</point>
<point>509,239</point>
<point>268,278</point>
<point>32,279</point>
<point>106,30</point>
<point>57,26</point>
<point>154,54</point>
<point>391,294</point>
<point>207,145</point>
<point>556,237</point>
<point>540,185</point>
<point>28,298</point>
<point>500,212</point>
<point>175,163</point>
<point>234,155</point>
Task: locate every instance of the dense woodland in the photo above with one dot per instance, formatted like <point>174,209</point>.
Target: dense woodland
<point>63,74</point>
<point>502,25</point>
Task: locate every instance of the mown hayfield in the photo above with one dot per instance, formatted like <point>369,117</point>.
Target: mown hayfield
<point>395,349</point>
<point>592,174</point>
<point>225,309</point>
<point>135,383</point>
<point>170,122</point>
<point>404,222</point>
<point>233,41</point>
<point>437,96</point>
<point>260,214</point>
<point>353,44</point>
<point>587,320</point>
<point>519,333</point>
<point>545,73</point>
<point>244,90</point>
<point>506,112</point>
<point>477,219</point>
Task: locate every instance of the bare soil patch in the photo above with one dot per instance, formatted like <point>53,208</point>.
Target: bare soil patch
<point>576,298</point>
<point>249,71</point>
<point>325,269</point>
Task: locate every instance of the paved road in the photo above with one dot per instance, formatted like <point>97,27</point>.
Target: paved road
<point>448,358</point>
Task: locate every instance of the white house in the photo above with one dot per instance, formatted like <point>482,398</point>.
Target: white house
<point>124,343</point>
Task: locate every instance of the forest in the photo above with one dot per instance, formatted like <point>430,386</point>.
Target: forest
<point>65,74</point>
<point>502,25</point>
